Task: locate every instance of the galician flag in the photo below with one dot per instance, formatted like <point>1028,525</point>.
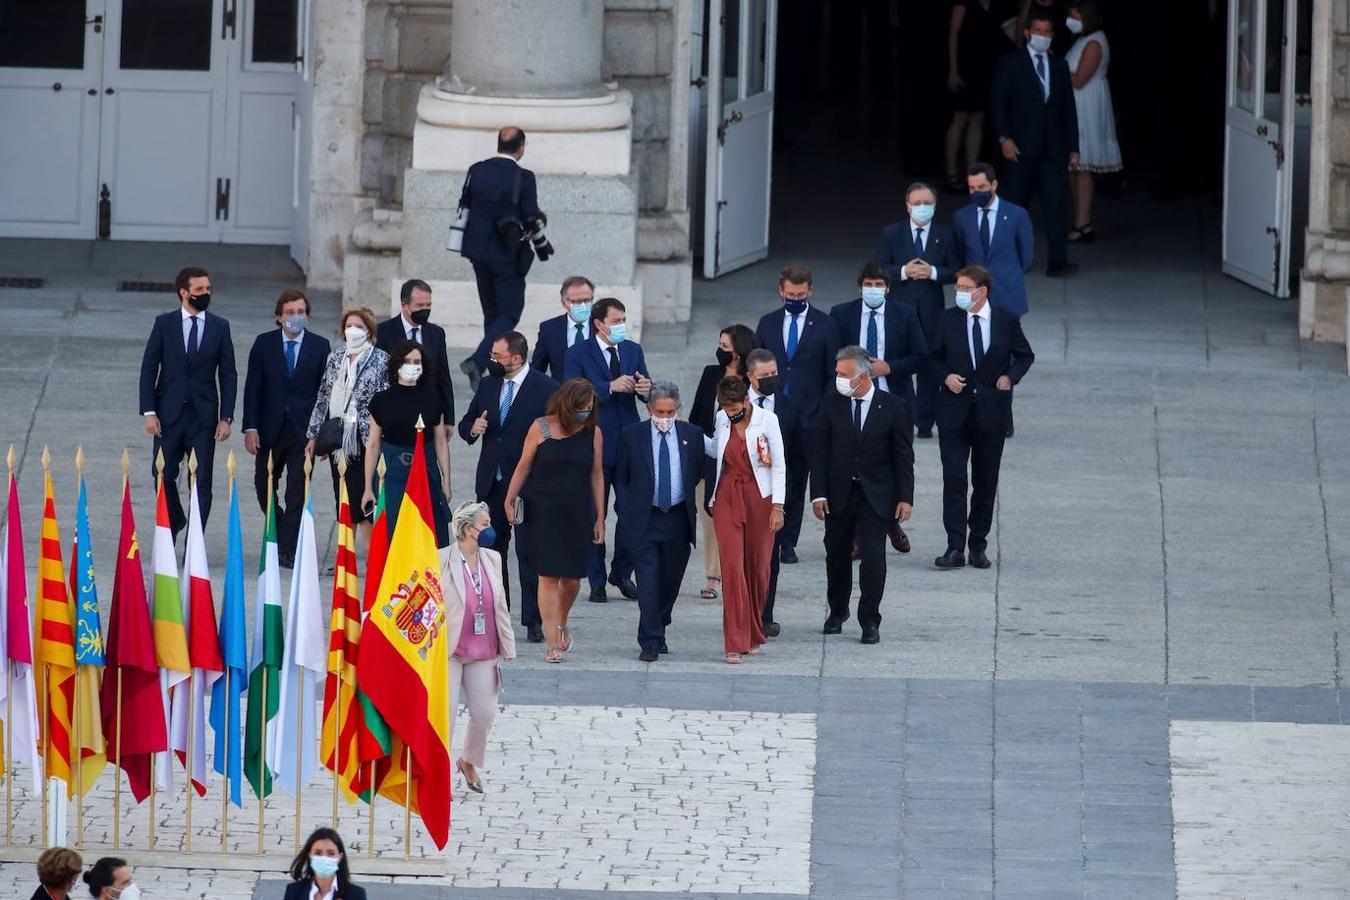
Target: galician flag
<point>171,651</point>
<point>264,682</point>
<point>188,722</point>
<point>22,727</point>
<point>234,650</point>
<point>337,745</point>
<point>55,639</point>
<point>294,758</point>
<point>88,723</point>
<point>405,665</point>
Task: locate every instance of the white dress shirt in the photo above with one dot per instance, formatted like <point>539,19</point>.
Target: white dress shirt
<point>326,895</point>
<point>881,335</point>
<point>985,327</point>
<point>866,408</point>
<point>801,324</point>
<point>676,466</point>
<point>187,326</point>
<point>756,396</point>
<point>914,229</point>
<point>518,378</point>
<point>408,329</point>
<point>1045,85</point>
<point>572,332</point>
<point>993,218</point>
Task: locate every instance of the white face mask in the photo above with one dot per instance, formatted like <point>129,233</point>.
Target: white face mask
<point>1074,25</point>
<point>409,372</point>
<point>663,424</point>
<point>843,385</point>
<point>356,336</point>
<point>130,892</point>
<point>1038,43</point>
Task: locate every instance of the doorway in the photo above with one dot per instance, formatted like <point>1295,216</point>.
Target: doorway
<point>149,119</point>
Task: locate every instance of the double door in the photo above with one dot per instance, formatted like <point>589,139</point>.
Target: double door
<point>149,119</point>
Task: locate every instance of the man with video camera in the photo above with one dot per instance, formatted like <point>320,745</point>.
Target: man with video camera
<point>503,234</point>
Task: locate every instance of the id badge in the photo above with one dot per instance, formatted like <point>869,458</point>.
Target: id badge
<point>479,622</point>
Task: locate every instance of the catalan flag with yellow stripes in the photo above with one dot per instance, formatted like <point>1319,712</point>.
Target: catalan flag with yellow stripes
<point>337,744</point>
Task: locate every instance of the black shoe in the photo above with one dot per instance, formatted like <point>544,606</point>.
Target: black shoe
<point>1060,270</point>
<point>663,648</point>
<point>649,655</point>
<point>625,586</point>
<point>979,560</point>
<point>534,634</point>
<point>925,433</point>
<point>598,595</point>
<point>952,559</point>
<point>772,629</point>
<point>832,626</point>
<point>788,556</point>
<point>871,636</point>
<point>470,368</point>
<point>286,561</point>
<point>1009,432</point>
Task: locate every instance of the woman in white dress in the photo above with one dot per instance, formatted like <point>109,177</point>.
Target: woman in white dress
<point>1098,151</point>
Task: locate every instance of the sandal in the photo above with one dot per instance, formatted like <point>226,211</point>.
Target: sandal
<point>733,659</point>
<point>554,655</point>
<point>710,593</point>
<point>565,639</point>
<point>1084,234</point>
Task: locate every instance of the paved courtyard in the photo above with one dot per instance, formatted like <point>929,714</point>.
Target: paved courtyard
<point>1143,698</point>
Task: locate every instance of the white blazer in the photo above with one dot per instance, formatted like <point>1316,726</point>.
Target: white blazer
<point>771,479</point>
<point>452,585</point>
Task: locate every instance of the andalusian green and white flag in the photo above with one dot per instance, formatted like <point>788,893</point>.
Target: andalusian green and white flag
<point>268,640</point>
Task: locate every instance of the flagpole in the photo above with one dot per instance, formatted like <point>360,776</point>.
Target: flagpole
<point>343,498</point>
<point>78,774</point>
<point>262,714</point>
<point>159,486</point>
<point>9,709</point>
<point>300,687</point>
<point>225,795</point>
<point>45,728</point>
<point>370,828</point>
<point>407,802</point>
<point>117,723</point>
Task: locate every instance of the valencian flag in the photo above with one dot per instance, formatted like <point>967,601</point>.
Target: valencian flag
<point>268,636</point>
<point>130,654</point>
<point>234,651</point>
<point>293,757</point>
<point>374,742</point>
<point>337,743</point>
<point>187,725</point>
<point>18,643</point>
<point>405,666</point>
<point>171,651</point>
<point>55,639</point>
<point>88,724</point>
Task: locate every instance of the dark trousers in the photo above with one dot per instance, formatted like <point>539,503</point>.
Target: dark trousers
<point>982,451</point>
<point>856,518</point>
<point>178,440</point>
<point>288,455</point>
<point>529,581</point>
<point>622,565</point>
<point>1026,175</point>
<point>797,470</point>
<point>925,398</point>
<point>501,293</point>
<point>659,559</point>
<point>773,577</point>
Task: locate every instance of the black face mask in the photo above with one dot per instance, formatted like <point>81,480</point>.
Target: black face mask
<point>735,419</point>
<point>768,385</point>
<point>420,317</point>
<point>496,369</point>
<point>723,357</point>
<point>200,302</point>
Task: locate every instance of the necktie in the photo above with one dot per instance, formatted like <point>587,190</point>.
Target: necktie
<point>793,336</point>
<point>192,337</point>
<point>857,413</point>
<point>761,402</point>
<point>663,474</point>
<point>976,340</point>
<point>918,242</point>
<point>872,335</point>
<point>290,357</point>
<point>580,334</point>
<point>1040,73</point>
<point>614,363</point>
<point>503,411</point>
<point>416,336</point>
<point>984,231</point>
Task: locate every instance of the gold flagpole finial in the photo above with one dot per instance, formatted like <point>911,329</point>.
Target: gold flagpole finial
<point>380,467</point>
<point>192,463</point>
<point>421,426</point>
<point>79,460</point>
<point>342,464</point>
<point>9,458</point>
<point>126,462</point>
<point>229,464</point>
<point>269,462</point>
<point>159,462</point>
<point>46,458</point>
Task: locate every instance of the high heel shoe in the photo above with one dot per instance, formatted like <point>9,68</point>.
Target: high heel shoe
<point>475,784</point>
<point>1084,234</point>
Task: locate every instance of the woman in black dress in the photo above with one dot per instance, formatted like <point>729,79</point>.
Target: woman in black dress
<point>393,434</point>
<point>561,479</point>
<point>977,38</point>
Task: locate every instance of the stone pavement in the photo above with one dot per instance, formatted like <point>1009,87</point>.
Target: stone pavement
<point>1109,712</point>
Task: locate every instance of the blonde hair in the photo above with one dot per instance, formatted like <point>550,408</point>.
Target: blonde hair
<point>465,514</point>
<point>367,318</point>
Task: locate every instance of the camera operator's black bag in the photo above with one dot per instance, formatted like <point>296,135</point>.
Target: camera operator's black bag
<point>512,231</point>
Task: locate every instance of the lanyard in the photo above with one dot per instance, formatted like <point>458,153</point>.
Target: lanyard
<point>476,579</point>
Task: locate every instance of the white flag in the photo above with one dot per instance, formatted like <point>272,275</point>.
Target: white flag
<point>295,757</point>
<point>199,620</point>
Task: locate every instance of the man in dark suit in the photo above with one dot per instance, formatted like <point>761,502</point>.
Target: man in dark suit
<point>285,368</point>
<point>804,340</point>
<point>980,353</point>
<point>862,479</point>
<point>496,189</point>
<point>1036,119</point>
<point>766,392</point>
<point>617,371</point>
<point>659,463</point>
<point>995,234</point>
<point>506,404</point>
<point>560,333</point>
<point>413,323</point>
<point>921,257</point>
<point>188,384</point>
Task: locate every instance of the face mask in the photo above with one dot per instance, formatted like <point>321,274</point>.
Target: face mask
<point>663,424</point>
<point>843,385</point>
<point>409,372</point>
<point>293,324</point>
<point>873,296</point>
<point>1038,43</point>
<point>1074,25</point>
<point>981,198</point>
<point>795,307</point>
<point>420,317</point>
<point>487,536</point>
<point>735,419</point>
<point>356,336</point>
<point>200,302</point>
<point>617,333</point>
<point>922,214</point>
<point>583,414</point>
<point>579,312</point>
<point>130,892</point>
<point>723,357</point>
<point>324,866</point>
<point>768,386</point>
<point>496,369</point>
<point>965,300</point>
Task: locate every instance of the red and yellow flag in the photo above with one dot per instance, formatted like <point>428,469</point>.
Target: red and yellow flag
<point>337,744</point>
<point>55,642</point>
<point>404,667</point>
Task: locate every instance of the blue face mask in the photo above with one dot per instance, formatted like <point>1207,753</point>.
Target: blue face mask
<point>487,537</point>
<point>579,312</point>
<point>922,213</point>
<point>964,300</point>
<point>617,333</point>
<point>795,307</point>
<point>323,866</point>
<point>874,297</point>
<point>981,198</point>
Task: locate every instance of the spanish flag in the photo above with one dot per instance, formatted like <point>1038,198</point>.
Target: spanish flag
<point>405,662</point>
<point>56,640</point>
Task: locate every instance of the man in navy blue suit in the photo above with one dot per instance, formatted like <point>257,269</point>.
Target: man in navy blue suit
<point>506,404</point>
<point>413,323</point>
<point>658,465</point>
<point>995,234</point>
<point>1036,119</point>
<point>617,371</point>
<point>187,389</point>
<point>921,257</point>
<point>558,334</point>
<point>804,340</point>
<point>496,189</point>
<point>766,392</point>
<point>285,368</point>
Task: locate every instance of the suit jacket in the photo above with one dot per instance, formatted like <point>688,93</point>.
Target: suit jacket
<point>487,196</point>
<point>503,443</point>
<point>550,348</point>
<point>390,332</point>
<point>299,890</point>
<point>939,250</point>
<point>1046,130</point>
<point>1008,353</point>
<point>906,349</point>
<point>635,477</point>
<point>807,375</point>
<point>704,408</point>
<point>1011,251</point>
<point>881,457</point>
<point>170,382</point>
<point>452,581</point>
<point>613,411</point>
<point>272,395</point>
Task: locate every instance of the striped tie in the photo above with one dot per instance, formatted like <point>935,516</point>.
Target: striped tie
<point>503,411</point>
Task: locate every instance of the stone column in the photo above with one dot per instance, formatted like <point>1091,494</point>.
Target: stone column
<point>564,39</point>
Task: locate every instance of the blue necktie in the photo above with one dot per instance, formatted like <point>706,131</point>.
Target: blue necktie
<point>984,231</point>
<point>872,335</point>
<point>192,337</point>
<point>1040,73</point>
<point>663,500</point>
<point>290,357</point>
<point>977,340</point>
<point>918,242</point>
<point>503,411</point>
<point>416,336</point>
<point>793,335</point>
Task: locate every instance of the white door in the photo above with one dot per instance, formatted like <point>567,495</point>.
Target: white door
<point>302,129</point>
<point>1258,149</point>
<point>51,54</point>
<point>741,42</point>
